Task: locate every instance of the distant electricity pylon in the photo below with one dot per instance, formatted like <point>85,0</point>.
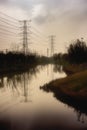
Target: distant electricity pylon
<point>25,34</point>
<point>52,41</point>
<point>47,52</point>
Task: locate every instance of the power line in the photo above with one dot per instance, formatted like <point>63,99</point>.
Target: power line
<point>9,35</point>
<point>9,21</point>
<point>2,21</point>
<point>38,31</point>
<point>2,29</point>
<point>38,44</point>
<point>8,38</point>
<point>8,16</point>
<point>38,36</point>
<point>9,27</point>
<point>37,39</point>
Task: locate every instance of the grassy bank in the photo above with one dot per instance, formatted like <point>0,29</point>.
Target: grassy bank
<point>74,86</point>
<point>74,68</point>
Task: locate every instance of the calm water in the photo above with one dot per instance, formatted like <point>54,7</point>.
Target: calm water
<point>24,106</point>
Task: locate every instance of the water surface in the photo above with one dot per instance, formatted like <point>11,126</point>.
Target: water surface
<point>24,106</point>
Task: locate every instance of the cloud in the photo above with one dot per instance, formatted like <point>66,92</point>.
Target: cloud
<point>47,9</point>
<point>74,11</point>
<point>3,1</point>
<point>40,13</point>
<point>44,11</point>
<point>23,4</point>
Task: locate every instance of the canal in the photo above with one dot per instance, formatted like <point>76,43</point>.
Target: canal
<point>25,106</point>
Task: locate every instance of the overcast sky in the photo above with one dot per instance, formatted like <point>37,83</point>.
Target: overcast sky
<point>67,19</point>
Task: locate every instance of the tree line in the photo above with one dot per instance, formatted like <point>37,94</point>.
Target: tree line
<point>76,53</point>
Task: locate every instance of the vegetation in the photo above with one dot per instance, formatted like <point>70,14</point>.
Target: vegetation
<point>60,58</point>
<point>77,52</point>
<point>45,60</point>
<point>14,61</point>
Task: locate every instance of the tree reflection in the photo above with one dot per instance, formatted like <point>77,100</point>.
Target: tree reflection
<point>58,68</point>
<point>19,82</point>
<point>1,82</point>
<point>80,116</point>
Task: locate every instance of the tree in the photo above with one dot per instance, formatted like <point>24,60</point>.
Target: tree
<point>77,52</point>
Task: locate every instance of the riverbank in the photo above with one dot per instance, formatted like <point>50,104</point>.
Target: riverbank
<point>73,86</point>
<point>74,68</point>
